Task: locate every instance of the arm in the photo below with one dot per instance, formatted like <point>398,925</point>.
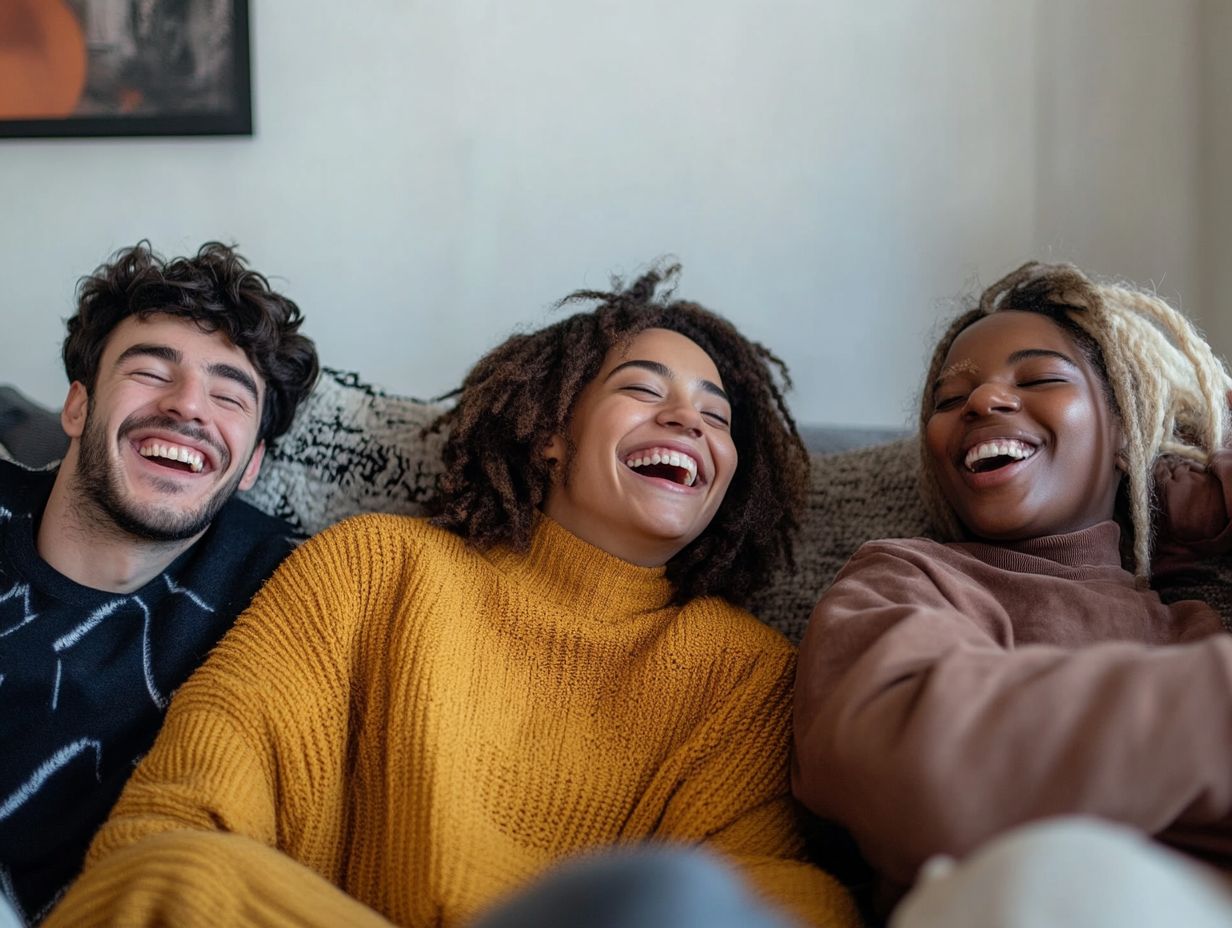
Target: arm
<point>251,759</point>
<point>920,728</point>
<point>206,878</point>
<point>727,788</point>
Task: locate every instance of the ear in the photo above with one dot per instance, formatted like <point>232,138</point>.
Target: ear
<point>1122,446</point>
<point>253,470</point>
<point>76,406</point>
<point>554,451</point>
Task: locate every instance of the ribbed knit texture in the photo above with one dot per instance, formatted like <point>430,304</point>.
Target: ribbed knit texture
<point>429,727</point>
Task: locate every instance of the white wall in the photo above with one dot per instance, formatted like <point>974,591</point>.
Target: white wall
<point>427,176</point>
<point>1118,143</point>
<point>1215,171</point>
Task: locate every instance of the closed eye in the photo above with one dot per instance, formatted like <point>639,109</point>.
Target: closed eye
<point>948,402</point>
<point>716,417</point>
<point>152,376</point>
<point>639,388</point>
<point>233,401</point>
<point>1040,381</point>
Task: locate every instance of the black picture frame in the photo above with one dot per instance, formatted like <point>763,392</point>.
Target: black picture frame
<point>173,100</point>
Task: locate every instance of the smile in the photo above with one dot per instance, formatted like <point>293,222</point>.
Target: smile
<point>997,453</point>
<point>175,456</point>
<point>664,463</point>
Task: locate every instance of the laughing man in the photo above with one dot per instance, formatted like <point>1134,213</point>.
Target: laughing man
<point>120,569</point>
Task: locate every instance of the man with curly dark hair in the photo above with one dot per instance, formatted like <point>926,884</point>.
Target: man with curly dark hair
<point>417,718</point>
<point>123,566</point>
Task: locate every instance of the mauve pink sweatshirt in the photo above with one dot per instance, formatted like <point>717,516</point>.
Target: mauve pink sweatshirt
<point>947,692</point>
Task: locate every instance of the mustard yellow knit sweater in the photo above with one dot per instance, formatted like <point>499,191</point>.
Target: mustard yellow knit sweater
<point>405,729</point>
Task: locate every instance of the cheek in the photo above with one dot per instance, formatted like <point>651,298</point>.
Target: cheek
<point>239,436</point>
<point>1090,422</point>
<point>726,458</point>
<point>936,440</point>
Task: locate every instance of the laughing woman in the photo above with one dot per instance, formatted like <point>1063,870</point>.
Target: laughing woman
<point>949,693</point>
<point>417,718</point>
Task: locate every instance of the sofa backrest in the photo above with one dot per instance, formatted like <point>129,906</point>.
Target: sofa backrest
<point>354,449</point>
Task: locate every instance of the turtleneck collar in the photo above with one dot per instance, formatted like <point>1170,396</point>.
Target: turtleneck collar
<point>563,569</point>
<point>1097,546</point>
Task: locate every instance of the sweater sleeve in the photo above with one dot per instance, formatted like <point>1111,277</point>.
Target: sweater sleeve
<point>922,730</point>
<point>1194,505</point>
<point>251,757</point>
<point>727,788</point>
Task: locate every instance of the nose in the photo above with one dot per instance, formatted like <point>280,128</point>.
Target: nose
<point>681,415</point>
<point>185,398</point>
<point>992,397</point>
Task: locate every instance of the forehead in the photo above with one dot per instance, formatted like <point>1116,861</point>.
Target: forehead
<point>996,336</point>
<point>683,356</point>
<point>195,345</point>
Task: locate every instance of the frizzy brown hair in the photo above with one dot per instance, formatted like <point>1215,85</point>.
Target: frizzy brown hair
<point>523,392</point>
<point>218,292</point>
<point>1161,378</point>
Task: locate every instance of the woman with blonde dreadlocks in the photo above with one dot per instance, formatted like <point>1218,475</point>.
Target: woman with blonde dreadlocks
<point>417,718</point>
<point>950,692</point>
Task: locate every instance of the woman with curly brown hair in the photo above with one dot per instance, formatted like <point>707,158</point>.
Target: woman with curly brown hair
<point>418,718</point>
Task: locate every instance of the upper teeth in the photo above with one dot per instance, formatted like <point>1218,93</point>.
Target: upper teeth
<point>665,456</point>
<point>155,449</point>
<point>1003,447</point>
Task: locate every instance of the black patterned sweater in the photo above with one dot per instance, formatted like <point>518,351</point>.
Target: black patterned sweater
<point>86,675</point>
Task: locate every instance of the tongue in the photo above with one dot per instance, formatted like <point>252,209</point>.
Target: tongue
<point>987,464</point>
<point>174,465</point>
<point>663,471</point>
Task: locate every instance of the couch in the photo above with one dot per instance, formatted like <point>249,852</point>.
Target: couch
<point>355,448</point>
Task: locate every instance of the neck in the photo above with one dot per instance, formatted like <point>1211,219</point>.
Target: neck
<point>84,545</point>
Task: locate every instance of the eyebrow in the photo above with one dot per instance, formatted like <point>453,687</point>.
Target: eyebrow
<point>666,372</point>
<point>1028,353</point>
<point>1022,354</point>
<point>172,356</point>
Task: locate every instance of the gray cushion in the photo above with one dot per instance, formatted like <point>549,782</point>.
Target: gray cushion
<point>30,432</point>
<point>854,496</point>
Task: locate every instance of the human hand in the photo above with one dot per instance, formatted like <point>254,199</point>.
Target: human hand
<point>1192,498</point>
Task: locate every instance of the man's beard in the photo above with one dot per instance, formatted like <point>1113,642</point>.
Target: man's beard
<point>99,481</point>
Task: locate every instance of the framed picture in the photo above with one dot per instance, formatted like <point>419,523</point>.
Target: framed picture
<point>124,68</point>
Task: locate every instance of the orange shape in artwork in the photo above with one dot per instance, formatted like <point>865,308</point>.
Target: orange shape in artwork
<point>42,59</point>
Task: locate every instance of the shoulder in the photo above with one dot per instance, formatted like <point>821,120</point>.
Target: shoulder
<point>903,571</point>
<point>386,537</point>
<point>906,548</point>
<point>244,535</point>
<point>733,629</point>
<point>23,489</point>
<point>414,530</point>
<point>909,555</point>
<point>243,518</point>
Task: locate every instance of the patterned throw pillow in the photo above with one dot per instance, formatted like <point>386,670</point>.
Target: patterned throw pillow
<point>352,448</point>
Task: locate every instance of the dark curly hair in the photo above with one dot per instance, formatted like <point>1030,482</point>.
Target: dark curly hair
<point>523,392</point>
<point>217,291</point>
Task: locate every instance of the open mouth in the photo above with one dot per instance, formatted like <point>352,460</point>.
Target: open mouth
<point>173,457</point>
<point>664,463</point>
<point>993,455</point>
